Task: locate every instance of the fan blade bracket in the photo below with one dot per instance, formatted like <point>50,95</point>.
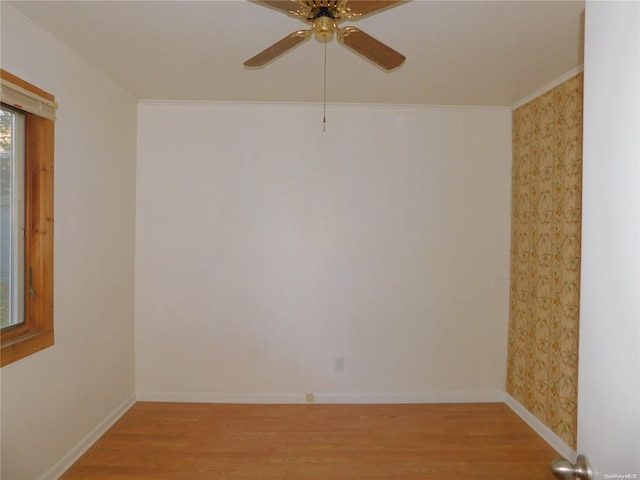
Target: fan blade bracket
<point>370,48</point>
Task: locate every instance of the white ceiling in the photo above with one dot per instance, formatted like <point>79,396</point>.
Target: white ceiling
<point>458,52</point>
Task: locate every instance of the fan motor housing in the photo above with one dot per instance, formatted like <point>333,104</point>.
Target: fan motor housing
<point>323,28</point>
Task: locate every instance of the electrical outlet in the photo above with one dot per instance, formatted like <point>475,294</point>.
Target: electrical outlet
<point>339,364</point>
<point>309,397</point>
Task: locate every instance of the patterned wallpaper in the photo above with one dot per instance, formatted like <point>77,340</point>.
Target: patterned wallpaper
<point>545,257</point>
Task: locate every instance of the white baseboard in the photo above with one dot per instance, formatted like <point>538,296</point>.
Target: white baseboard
<point>324,398</point>
<point>541,429</point>
<point>70,458</point>
<point>424,397</point>
<point>216,397</point>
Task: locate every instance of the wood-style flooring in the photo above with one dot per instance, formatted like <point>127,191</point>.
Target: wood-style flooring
<point>186,441</point>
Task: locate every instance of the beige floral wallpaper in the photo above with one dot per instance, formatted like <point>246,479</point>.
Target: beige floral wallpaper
<point>545,257</point>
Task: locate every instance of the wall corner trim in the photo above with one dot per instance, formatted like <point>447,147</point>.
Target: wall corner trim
<point>92,437</point>
<point>558,81</point>
<point>541,429</point>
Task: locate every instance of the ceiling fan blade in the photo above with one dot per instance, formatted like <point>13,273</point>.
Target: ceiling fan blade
<point>370,48</point>
<point>278,48</point>
<point>291,7</point>
<point>367,7</point>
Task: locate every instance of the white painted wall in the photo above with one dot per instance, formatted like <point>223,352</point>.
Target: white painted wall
<point>609,376</point>
<point>52,400</point>
<point>265,248</point>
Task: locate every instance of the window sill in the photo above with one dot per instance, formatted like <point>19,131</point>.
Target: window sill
<point>24,345</point>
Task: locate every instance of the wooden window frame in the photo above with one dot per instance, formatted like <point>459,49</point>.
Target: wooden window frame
<point>36,333</point>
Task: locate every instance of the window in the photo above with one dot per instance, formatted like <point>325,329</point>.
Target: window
<point>11,218</point>
<point>26,229</point>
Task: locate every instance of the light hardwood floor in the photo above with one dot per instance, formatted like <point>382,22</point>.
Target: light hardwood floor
<point>185,441</point>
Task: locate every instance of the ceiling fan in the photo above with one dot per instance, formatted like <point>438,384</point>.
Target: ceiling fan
<point>324,16</point>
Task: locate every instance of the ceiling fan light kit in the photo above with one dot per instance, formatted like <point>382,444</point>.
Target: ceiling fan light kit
<point>324,17</point>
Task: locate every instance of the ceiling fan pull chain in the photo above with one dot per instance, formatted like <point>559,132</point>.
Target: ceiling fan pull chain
<point>324,98</point>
